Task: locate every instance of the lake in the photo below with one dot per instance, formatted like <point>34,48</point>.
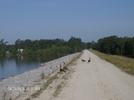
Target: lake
<point>10,66</point>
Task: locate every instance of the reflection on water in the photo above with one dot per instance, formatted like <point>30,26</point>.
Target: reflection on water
<point>10,66</point>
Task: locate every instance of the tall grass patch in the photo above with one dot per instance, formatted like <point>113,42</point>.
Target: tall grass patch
<point>124,63</point>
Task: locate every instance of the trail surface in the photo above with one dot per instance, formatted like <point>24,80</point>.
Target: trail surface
<point>96,80</point>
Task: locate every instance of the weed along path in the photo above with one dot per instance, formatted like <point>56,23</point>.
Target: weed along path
<point>96,80</point>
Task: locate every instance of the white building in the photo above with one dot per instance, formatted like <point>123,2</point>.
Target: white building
<point>7,52</point>
<point>20,50</point>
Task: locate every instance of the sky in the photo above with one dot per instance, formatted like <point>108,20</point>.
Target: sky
<point>89,20</point>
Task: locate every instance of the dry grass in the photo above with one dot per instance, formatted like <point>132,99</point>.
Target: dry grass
<point>51,79</point>
<point>58,89</point>
<point>66,76</point>
<point>28,99</point>
<point>72,62</point>
<point>125,63</point>
<point>44,86</point>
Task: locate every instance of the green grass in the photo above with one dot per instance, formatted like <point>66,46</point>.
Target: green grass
<point>124,63</point>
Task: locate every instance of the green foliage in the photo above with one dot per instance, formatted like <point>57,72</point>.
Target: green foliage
<point>2,47</point>
<point>128,48</point>
<point>47,47</point>
<point>116,46</point>
<point>58,47</point>
<point>76,44</point>
<point>42,47</point>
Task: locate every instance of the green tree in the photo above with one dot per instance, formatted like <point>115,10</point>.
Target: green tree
<point>3,47</point>
<point>128,48</point>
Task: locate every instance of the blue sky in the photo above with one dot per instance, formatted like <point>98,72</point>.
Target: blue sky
<point>50,19</point>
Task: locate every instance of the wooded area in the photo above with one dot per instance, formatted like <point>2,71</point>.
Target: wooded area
<point>59,47</point>
<point>44,47</point>
<point>116,45</point>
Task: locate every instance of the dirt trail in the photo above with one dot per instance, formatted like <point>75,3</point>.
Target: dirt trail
<point>96,80</point>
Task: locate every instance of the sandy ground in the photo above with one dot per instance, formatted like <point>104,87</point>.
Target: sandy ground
<point>96,80</point>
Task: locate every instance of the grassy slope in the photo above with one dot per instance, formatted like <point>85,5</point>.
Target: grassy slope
<point>126,64</point>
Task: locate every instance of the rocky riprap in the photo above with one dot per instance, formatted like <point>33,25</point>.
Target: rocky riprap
<point>13,87</point>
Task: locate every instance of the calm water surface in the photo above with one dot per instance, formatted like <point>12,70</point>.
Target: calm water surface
<point>10,66</point>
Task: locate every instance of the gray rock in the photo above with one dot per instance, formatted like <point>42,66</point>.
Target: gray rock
<point>14,94</point>
<point>2,94</point>
<point>42,75</point>
<point>8,97</point>
<point>29,78</point>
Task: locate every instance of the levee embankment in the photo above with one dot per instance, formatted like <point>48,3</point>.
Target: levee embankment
<point>14,87</point>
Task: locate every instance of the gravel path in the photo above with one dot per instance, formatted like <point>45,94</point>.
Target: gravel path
<point>96,80</point>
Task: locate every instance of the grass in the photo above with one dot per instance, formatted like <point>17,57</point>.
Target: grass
<point>58,89</point>
<point>124,63</point>
<point>44,86</point>
<point>28,99</point>
<point>74,59</point>
<point>66,76</point>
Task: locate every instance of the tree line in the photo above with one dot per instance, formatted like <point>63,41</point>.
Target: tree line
<point>43,47</point>
<point>116,45</point>
<point>59,47</point>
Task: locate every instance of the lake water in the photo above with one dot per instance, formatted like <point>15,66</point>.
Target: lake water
<point>10,66</point>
